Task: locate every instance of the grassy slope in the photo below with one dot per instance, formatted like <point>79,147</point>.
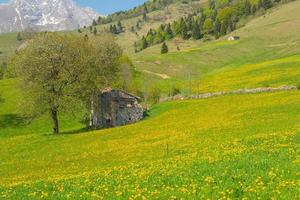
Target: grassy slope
<point>8,45</point>
<point>155,19</point>
<point>13,124</point>
<point>222,146</point>
<point>266,38</point>
<point>225,146</point>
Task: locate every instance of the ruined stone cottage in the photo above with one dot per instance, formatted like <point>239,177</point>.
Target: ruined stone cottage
<point>113,108</point>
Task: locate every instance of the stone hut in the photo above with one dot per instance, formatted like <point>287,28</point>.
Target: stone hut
<point>114,108</point>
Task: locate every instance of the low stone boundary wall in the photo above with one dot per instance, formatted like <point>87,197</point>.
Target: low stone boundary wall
<point>222,93</point>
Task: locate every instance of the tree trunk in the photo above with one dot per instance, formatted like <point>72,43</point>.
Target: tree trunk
<point>54,116</point>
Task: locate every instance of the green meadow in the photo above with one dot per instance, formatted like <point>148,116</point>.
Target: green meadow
<point>244,146</point>
<point>269,45</point>
<point>225,147</point>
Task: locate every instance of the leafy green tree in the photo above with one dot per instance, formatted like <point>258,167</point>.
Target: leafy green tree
<point>164,48</point>
<point>58,73</point>
<point>94,23</point>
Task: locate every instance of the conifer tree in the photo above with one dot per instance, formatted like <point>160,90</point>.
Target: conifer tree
<point>120,27</point>
<point>196,33</point>
<point>95,31</point>
<point>144,43</point>
<point>189,23</point>
<point>247,8</point>
<point>144,16</point>
<point>184,31</point>
<point>266,4</point>
<point>138,25</point>
<point>253,9</point>
<point>19,37</point>
<point>145,8</point>
<point>94,23</point>
<point>164,48</point>
<point>115,30</point>
<point>224,27</point>
<point>217,28</point>
<point>99,21</point>
<point>169,32</point>
<point>135,47</point>
<point>132,29</point>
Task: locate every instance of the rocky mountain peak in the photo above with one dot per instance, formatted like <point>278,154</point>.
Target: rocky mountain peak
<point>51,15</point>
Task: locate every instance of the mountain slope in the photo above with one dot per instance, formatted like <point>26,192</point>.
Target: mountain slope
<point>50,15</point>
<point>230,147</point>
<point>265,38</point>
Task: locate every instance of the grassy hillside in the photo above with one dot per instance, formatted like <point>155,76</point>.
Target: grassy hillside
<point>8,45</point>
<point>234,146</point>
<point>12,123</point>
<point>267,38</point>
<point>220,147</point>
<point>154,20</point>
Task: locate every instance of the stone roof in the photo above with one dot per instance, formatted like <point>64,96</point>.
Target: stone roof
<point>110,90</point>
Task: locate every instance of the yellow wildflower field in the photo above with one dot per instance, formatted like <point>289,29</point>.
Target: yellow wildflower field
<point>230,147</point>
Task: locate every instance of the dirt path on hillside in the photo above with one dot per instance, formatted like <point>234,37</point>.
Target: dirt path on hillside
<point>163,76</point>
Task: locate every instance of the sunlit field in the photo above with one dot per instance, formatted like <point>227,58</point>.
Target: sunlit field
<point>237,146</point>
<point>234,146</point>
<point>266,55</point>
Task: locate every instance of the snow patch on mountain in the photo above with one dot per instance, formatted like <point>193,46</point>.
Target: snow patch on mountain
<point>50,15</point>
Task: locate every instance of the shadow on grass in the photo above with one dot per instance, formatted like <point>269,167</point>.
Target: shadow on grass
<point>13,121</point>
<point>79,131</point>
